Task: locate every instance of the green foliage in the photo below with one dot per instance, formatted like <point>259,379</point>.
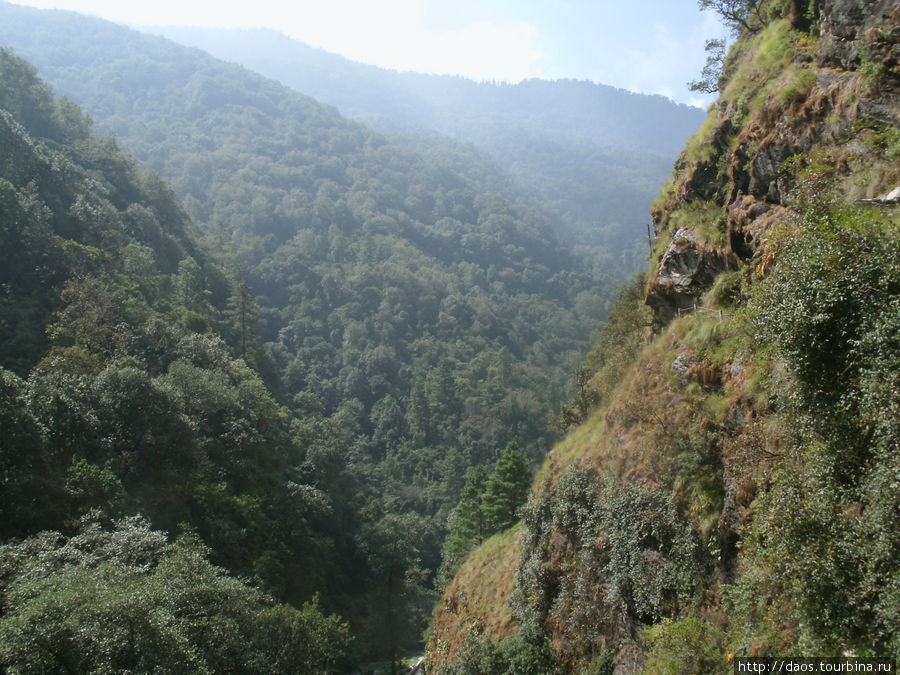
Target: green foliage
<point>488,504</point>
<point>412,320</point>
<point>527,652</point>
<point>712,70</point>
<point>421,321</point>
<point>436,320</point>
<point>873,73</point>
<point>395,590</point>
<point>126,600</point>
<point>29,499</point>
<point>688,645</point>
<point>830,307</point>
<point>590,154</point>
<point>585,399</point>
<point>124,409</point>
<point>467,525</point>
<point>596,553</point>
<point>68,219</point>
<point>506,489</point>
<point>91,487</point>
<point>738,15</point>
<point>653,555</point>
<point>768,71</point>
<point>243,313</point>
<point>28,99</point>
<point>827,525</point>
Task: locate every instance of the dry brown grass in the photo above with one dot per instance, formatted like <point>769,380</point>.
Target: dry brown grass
<point>476,602</point>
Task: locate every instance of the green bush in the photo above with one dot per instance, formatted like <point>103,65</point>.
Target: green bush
<point>831,306</point>
<point>595,555</point>
<point>688,645</point>
<point>127,601</point>
<point>822,548</point>
<point>654,557</point>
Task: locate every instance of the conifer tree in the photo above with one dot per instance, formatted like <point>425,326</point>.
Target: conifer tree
<point>467,524</point>
<point>507,488</point>
<point>242,312</point>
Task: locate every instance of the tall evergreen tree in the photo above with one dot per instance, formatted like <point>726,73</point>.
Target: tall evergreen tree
<point>507,488</point>
<point>243,312</point>
<point>467,525</point>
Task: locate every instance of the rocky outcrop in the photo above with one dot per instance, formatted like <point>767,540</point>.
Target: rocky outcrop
<point>686,269</point>
<point>851,28</point>
<point>703,178</point>
<point>757,165</point>
<point>753,161</point>
<point>749,219</point>
<point>865,35</point>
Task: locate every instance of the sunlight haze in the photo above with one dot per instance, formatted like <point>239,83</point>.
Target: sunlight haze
<point>646,46</point>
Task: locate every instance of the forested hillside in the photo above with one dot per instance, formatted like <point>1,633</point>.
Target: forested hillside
<point>139,437</point>
<point>130,433</point>
<point>268,415</point>
<point>299,377</point>
<point>385,282</point>
<point>593,154</point>
<point>731,488</point>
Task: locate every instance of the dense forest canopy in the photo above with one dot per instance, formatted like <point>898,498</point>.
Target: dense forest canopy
<point>362,255</point>
<point>120,396</point>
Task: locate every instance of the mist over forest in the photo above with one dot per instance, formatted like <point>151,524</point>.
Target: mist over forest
<point>312,366</point>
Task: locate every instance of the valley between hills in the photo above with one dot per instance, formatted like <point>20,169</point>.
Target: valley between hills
<point>306,366</point>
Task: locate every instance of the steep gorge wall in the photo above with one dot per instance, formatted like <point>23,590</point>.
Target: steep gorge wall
<point>635,536</point>
<point>787,97</point>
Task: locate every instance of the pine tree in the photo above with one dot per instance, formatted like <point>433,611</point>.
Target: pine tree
<point>467,525</point>
<point>507,488</point>
<point>242,313</point>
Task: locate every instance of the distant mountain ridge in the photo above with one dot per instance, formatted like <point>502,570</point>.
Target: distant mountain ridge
<point>601,115</point>
<point>594,154</point>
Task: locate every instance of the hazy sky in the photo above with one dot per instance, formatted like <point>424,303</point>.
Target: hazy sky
<point>649,46</point>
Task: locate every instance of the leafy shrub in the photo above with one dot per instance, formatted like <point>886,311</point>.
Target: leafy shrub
<point>688,645</point>
<point>822,547</point>
<point>126,600</point>
<point>527,652</point>
<point>653,555</point>
<point>596,556</point>
<point>831,306</point>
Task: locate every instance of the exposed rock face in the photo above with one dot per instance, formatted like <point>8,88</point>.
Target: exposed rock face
<point>686,269</point>
<point>861,34</point>
<point>748,221</point>
<point>702,179</point>
<point>762,148</point>
<point>849,27</point>
<point>746,168</point>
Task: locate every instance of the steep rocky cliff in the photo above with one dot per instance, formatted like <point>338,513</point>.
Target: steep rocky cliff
<point>787,100</point>
<point>735,490</point>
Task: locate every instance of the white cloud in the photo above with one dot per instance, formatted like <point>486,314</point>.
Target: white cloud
<point>664,63</point>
